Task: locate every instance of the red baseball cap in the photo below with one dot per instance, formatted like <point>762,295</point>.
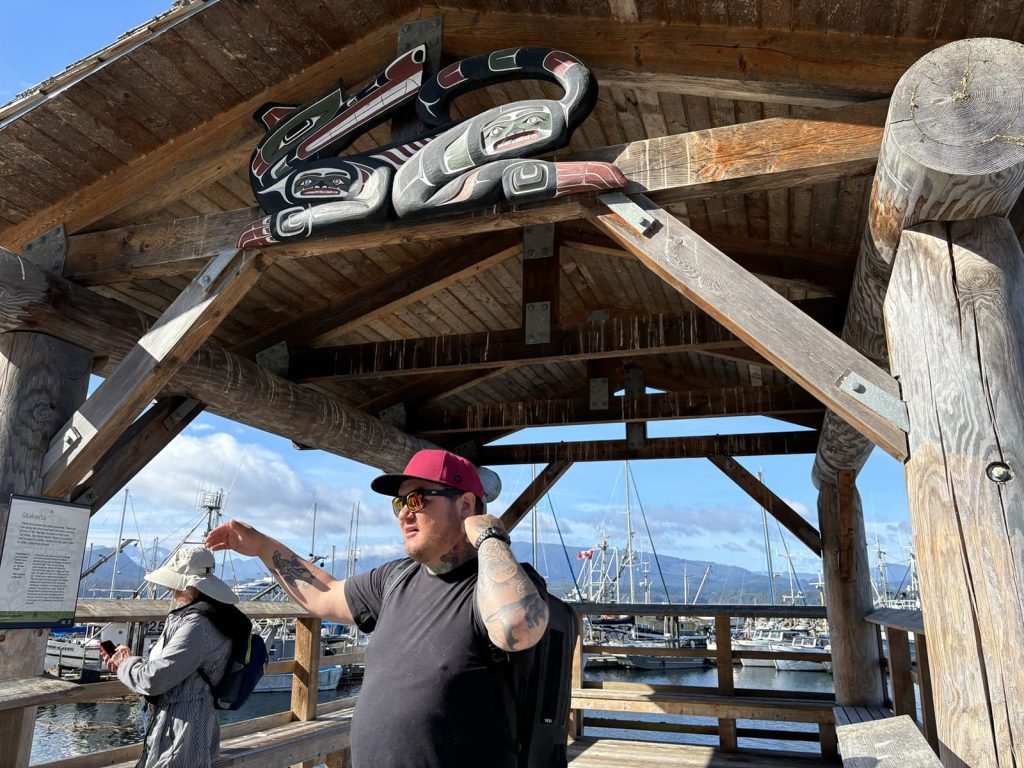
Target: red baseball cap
<point>434,466</point>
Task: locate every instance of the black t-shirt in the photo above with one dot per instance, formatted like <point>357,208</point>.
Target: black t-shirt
<point>432,695</point>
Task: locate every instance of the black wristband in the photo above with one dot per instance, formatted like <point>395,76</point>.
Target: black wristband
<point>492,532</point>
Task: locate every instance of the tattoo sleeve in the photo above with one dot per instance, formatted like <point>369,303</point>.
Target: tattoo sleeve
<point>291,569</point>
<point>513,612</point>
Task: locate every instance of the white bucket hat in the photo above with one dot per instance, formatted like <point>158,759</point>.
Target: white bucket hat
<point>193,567</point>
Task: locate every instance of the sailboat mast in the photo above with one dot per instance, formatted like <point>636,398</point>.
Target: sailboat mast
<point>767,545</point>
<point>312,540</point>
<point>629,535</point>
<point>117,546</point>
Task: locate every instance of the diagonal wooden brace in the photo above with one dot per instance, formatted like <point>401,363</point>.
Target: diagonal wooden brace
<point>185,325</point>
<point>805,351</point>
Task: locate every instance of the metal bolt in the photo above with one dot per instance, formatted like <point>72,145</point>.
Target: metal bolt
<point>544,251</point>
<point>529,252</point>
<point>999,472</point>
<point>69,439</point>
<point>859,388</point>
<point>204,280</point>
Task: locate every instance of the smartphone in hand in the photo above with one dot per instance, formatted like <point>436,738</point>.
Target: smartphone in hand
<point>107,648</point>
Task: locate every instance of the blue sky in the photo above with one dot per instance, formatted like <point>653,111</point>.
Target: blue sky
<point>693,510</point>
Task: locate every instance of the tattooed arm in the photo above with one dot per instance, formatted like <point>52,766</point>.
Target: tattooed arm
<point>513,611</point>
<point>311,587</point>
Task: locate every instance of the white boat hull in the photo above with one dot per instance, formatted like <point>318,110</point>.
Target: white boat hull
<point>661,662</point>
<point>327,681</point>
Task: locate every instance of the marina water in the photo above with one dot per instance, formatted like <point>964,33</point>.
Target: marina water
<point>67,730</point>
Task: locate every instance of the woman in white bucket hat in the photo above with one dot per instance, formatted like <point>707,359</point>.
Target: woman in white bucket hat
<point>193,649</point>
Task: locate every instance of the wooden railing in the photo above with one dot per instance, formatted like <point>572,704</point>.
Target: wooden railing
<point>904,671</point>
<point>41,690</point>
<point>724,701</point>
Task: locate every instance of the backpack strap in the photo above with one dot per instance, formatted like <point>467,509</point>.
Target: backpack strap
<point>397,576</point>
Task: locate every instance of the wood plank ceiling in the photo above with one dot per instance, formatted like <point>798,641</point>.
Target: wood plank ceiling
<point>161,130</point>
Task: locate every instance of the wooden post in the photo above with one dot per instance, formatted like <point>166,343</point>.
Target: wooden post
<point>951,150</point>
<point>576,715</point>
<point>924,684</point>
<point>726,684</point>
<point>307,672</point>
<point>854,648</point>
<point>903,700</point>
<point>43,381</point>
<point>955,325</point>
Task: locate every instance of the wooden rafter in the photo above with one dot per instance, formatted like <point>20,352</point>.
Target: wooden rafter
<point>764,496</point>
<point>760,155</point>
<point>775,400</point>
<point>643,335</point>
<point>540,485</point>
<point>146,368</point>
<point>386,295</point>
<point>142,441</point>
<point>808,353</point>
<point>761,444</point>
<point>745,63</point>
<point>229,385</point>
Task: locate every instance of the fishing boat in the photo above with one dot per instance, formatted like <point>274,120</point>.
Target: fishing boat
<point>819,644</point>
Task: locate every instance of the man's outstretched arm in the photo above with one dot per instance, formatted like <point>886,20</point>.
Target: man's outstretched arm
<point>513,611</point>
<point>311,587</point>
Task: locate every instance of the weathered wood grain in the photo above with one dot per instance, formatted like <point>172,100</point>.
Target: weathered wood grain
<point>855,658</point>
<point>146,369</point>
<point>952,150</point>
<point>955,327</point>
<point>893,742</point>
<point>766,154</point>
<point>44,381</point>
<point>808,353</point>
<point>230,386</point>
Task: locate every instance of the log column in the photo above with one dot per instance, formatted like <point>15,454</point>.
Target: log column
<point>951,150</point>
<point>42,382</point>
<point>955,323</point>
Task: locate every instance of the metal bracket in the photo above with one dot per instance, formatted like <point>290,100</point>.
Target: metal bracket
<point>48,250</point>
<point>422,32</point>
<point>634,216</point>
<point>599,394</point>
<point>538,241</point>
<point>188,405</point>
<point>538,322</point>
<point>275,358</point>
<point>598,316</point>
<point>878,400</point>
<point>395,415</point>
<point>58,448</point>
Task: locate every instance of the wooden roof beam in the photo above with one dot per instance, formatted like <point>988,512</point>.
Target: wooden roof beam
<point>231,386</point>
<point>771,400</point>
<point>764,154</point>
<point>821,270</point>
<point>533,493</point>
<point>805,351</point>
<point>774,65</point>
<point>643,335</point>
<point>190,162</point>
<point>764,496</point>
<point>702,447</point>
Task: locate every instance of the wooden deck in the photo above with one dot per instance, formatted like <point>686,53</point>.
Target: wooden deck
<point>616,753</point>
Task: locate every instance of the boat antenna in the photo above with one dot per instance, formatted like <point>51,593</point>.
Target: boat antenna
<point>792,572</point>
<point>767,544</point>
<point>650,538</point>
<point>117,546</point>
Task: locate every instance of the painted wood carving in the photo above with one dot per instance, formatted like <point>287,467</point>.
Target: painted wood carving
<point>306,188</point>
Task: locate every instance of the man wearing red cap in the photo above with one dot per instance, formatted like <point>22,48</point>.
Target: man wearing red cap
<point>437,690</point>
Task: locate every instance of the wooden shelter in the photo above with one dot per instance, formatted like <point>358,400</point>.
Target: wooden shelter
<point>744,272</point>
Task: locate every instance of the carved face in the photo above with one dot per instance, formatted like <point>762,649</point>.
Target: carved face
<point>326,184</point>
<point>516,128</point>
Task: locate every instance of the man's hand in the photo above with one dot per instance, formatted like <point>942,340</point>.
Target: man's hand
<point>239,536</point>
<point>475,525</point>
<point>121,654</point>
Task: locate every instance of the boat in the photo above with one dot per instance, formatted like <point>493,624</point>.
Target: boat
<point>327,680</point>
<point>762,640</point>
<point>804,644</point>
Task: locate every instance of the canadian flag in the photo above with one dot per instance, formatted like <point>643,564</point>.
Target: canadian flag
<point>586,554</point>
